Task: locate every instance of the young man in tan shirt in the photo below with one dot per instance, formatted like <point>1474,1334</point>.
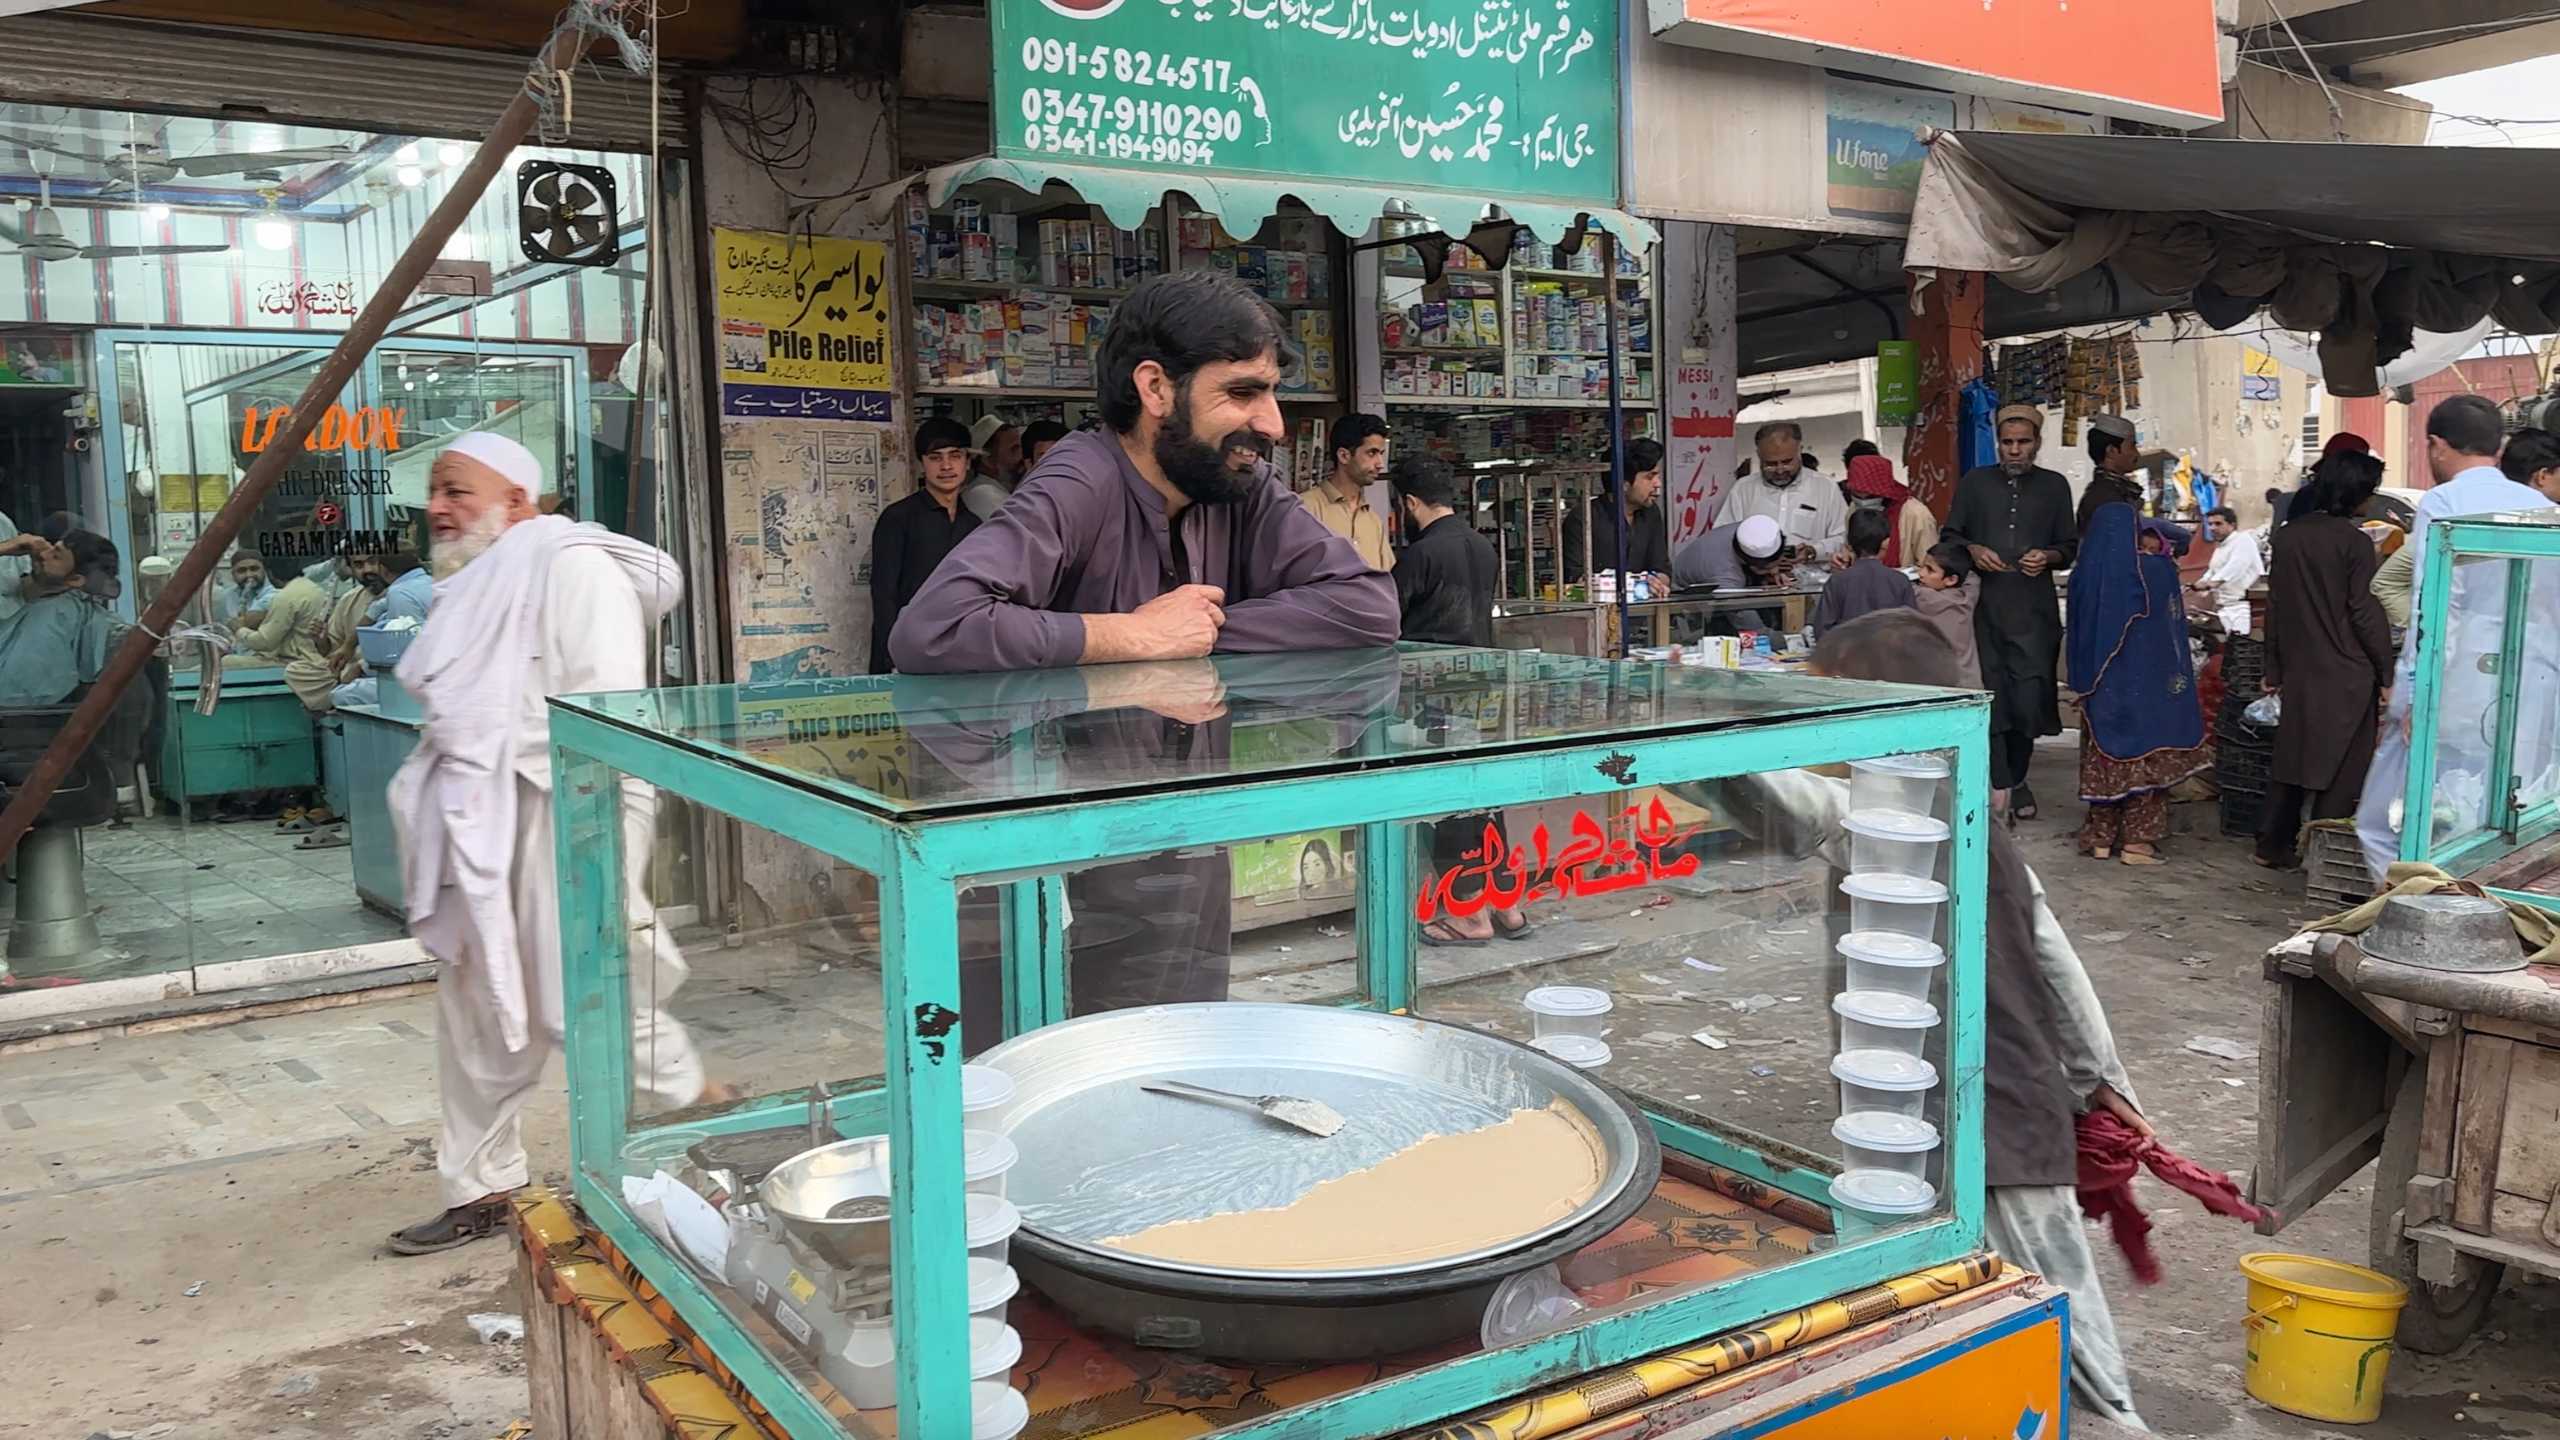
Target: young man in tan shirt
<point>1339,500</point>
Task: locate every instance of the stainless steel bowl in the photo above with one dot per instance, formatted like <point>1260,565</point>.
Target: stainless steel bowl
<point>835,1200</point>
<point>2467,934</point>
<point>1101,1158</point>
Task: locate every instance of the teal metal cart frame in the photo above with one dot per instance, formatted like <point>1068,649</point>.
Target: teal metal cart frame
<point>922,856</point>
<point>2510,824</point>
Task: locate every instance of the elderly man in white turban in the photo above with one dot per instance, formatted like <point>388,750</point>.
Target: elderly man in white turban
<point>527,606</point>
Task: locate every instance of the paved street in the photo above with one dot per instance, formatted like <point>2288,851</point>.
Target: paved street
<point>263,1162</point>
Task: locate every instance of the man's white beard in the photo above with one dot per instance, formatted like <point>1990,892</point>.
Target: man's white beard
<point>483,532</point>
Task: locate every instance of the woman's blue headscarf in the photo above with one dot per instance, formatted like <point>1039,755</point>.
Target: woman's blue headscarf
<point>2127,651</point>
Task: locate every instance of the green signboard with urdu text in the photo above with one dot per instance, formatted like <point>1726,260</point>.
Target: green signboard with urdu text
<point>1516,97</point>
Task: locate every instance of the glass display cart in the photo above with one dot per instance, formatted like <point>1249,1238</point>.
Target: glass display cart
<point>1662,1013</point>
<point>2485,752</point>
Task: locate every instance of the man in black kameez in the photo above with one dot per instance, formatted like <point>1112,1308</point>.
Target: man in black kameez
<point>911,537</point>
<point>1445,578</point>
<point>2015,519</point>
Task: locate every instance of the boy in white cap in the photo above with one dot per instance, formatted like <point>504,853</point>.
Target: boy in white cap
<point>527,606</point>
<point>998,443</point>
<point>1744,555</point>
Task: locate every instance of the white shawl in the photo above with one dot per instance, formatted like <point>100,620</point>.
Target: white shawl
<point>470,669</point>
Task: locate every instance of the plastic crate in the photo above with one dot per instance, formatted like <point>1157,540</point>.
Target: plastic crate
<point>2334,877</point>
<point>2242,763</point>
<point>2243,805</point>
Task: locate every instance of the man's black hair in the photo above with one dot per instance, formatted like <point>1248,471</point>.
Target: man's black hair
<point>1953,558</point>
<point>1855,449</point>
<point>940,433</point>
<point>2342,483</point>
<point>2470,424</point>
<point>2527,452</point>
<point>1426,478</point>
<point>2100,442</point>
<point>1868,528</point>
<point>1042,432</point>
<point>93,556</point>
<point>1351,431</point>
<point>1183,320</point>
<point>1643,455</point>
<point>2223,512</point>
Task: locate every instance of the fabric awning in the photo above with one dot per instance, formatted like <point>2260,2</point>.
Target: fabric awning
<point>2365,244</point>
<point>1242,203</point>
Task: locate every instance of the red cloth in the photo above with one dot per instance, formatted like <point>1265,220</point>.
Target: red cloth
<point>1872,477</point>
<point>2111,1153</point>
<point>2346,442</point>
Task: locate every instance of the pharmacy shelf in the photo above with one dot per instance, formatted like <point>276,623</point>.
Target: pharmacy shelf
<point>1440,350</point>
<point>999,290</point>
<point>993,391</point>
<point>1505,402</point>
<point>1590,275</point>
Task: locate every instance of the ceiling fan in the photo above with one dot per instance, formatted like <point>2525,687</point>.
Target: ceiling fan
<point>43,238</point>
<point>133,164</point>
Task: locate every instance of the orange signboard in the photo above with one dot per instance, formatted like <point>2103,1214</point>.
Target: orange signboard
<point>2004,1383</point>
<point>2141,59</point>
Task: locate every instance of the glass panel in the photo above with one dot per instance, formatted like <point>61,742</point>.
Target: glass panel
<point>2467,704</point>
<point>1048,736</point>
<point>780,1003</point>
<point>166,301</point>
<point>2537,732</point>
<point>1737,955</point>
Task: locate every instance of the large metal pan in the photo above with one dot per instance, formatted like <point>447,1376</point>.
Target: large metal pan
<point>1103,1158</point>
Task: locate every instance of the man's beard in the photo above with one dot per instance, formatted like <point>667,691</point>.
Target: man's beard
<point>474,541</point>
<point>2015,468</point>
<point>1196,468</point>
<point>1776,483</point>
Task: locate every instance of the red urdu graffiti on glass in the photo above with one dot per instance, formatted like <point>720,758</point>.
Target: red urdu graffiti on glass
<point>1593,862</point>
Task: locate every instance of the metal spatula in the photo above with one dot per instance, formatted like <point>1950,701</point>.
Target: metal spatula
<point>1313,1116</point>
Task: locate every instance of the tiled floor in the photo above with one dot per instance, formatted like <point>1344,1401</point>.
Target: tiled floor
<point>171,894</point>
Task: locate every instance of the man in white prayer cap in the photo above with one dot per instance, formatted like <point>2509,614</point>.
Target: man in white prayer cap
<point>1746,554</point>
<point>527,606</point>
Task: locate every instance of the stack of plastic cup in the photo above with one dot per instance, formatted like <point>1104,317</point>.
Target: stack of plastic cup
<point>1579,1051</point>
<point>1568,1010</point>
<point>986,1097</point>
<point>1908,783</point>
<point>1903,904</point>
<point>986,1158</point>
<point>1891,962</point>
<point>1895,842</point>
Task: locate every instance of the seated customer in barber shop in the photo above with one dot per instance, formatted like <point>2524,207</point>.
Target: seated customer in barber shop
<point>59,637</point>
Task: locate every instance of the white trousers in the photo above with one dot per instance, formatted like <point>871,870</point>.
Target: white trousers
<point>2386,781</point>
<point>483,1084</point>
<point>2038,1228</point>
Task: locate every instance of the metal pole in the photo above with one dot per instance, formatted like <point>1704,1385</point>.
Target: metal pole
<point>1617,432</point>
<point>567,46</point>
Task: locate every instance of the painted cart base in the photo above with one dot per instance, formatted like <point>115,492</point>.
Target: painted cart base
<point>607,1359</point>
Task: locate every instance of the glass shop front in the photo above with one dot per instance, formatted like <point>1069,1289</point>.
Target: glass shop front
<point>168,288</point>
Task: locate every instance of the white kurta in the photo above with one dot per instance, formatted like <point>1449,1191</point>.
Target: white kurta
<point>1811,511</point>
<point>499,1009</point>
<point>2237,564</point>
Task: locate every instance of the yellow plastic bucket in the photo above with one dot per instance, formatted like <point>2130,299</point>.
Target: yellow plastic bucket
<point>2320,1335</point>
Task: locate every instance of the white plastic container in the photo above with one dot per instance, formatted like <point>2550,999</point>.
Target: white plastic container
<point>1903,904</point>
<point>1892,963</point>
<point>997,1411</point>
<point>1874,1140</point>
<point>1568,1010</point>
<point>1897,782</point>
<point>1582,1052</point>
<point>1883,1020</point>
<point>1888,1081</point>
<point>986,1158</point>
<point>992,1286</point>
<point>986,1095</point>
<point>871,1357</point>
<point>1872,1200</point>
<point>994,1347</point>
<point>1894,842</point>
<point>992,1221</point>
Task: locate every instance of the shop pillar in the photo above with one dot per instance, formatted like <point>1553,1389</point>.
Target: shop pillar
<point>1699,300</point>
<point>1946,324</point>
